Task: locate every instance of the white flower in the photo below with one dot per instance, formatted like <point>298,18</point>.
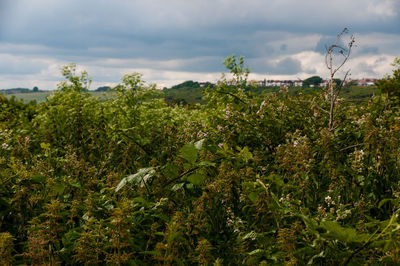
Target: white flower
<point>328,199</point>
<point>4,145</point>
<point>295,143</point>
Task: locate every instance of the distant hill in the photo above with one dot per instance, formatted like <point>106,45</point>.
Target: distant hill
<point>103,88</point>
<point>188,92</point>
<point>15,90</point>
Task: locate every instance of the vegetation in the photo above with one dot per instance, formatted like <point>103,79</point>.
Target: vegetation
<point>391,84</point>
<point>243,179</point>
<point>312,81</point>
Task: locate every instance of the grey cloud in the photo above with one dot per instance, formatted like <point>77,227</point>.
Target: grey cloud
<point>199,33</point>
<point>286,66</point>
<point>11,66</point>
<point>326,41</point>
<point>368,50</point>
<point>366,68</point>
<point>80,25</point>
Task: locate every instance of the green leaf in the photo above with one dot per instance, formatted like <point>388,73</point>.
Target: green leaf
<point>319,255</point>
<point>199,144</point>
<point>245,154</point>
<point>189,153</point>
<point>337,232</point>
<point>38,179</point>
<point>250,235</point>
<point>172,236</point>
<point>206,163</point>
<point>141,201</point>
<point>77,185</point>
<point>59,188</point>
<point>196,179</point>
<point>178,186</point>
<point>382,202</point>
<point>170,170</point>
<point>310,223</point>
<point>140,178</point>
<point>253,196</point>
<point>257,252</point>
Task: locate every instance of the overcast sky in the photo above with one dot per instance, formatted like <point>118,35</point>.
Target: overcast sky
<point>170,41</point>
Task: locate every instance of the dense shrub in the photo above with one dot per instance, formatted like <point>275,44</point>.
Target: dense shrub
<point>130,180</point>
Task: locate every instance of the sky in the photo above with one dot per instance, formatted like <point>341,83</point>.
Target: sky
<point>170,41</point>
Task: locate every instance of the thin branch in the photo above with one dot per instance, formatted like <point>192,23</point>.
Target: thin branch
<point>352,146</point>
<point>341,84</point>
<point>234,96</point>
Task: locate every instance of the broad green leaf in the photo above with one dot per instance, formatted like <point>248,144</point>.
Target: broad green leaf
<point>335,231</point>
<point>196,179</point>
<point>310,223</point>
<point>140,178</point>
<point>189,153</point>
<point>170,170</point>
<point>59,188</point>
<point>199,144</point>
<point>253,196</point>
<point>141,201</point>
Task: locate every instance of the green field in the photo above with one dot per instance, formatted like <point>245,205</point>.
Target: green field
<point>192,95</point>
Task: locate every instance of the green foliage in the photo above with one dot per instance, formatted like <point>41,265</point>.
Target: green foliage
<point>237,69</point>
<point>391,84</point>
<point>243,179</point>
<point>312,81</point>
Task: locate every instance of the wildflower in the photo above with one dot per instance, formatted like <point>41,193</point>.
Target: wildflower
<point>295,143</point>
<point>220,145</point>
<point>4,145</point>
<point>227,113</point>
<point>328,199</point>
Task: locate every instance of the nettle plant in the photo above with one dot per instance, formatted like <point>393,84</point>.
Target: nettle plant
<point>242,179</point>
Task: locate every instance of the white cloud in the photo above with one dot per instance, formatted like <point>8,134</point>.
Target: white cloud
<point>171,41</point>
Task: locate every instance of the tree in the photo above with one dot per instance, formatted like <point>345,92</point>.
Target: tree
<point>237,69</point>
<point>314,81</point>
<point>391,84</point>
<point>103,88</point>
<point>35,89</point>
<point>75,82</point>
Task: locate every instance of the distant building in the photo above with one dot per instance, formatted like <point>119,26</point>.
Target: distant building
<point>365,82</point>
<point>296,83</point>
